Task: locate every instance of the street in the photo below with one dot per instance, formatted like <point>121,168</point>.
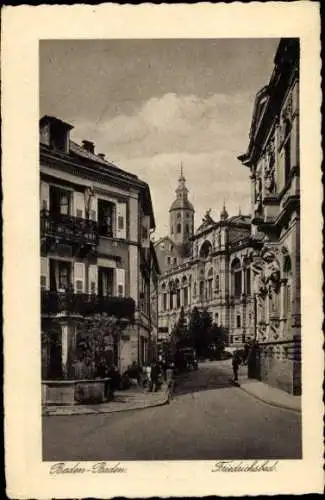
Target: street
<point>207,419</point>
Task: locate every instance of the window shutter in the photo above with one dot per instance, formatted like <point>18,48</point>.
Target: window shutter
<point>92,279</point>
<point>44,273</point>
<point>121,220</point>
<point>145,232</point>
<point>79,277</point>
<point>45,196</point>
<point>79,204</point>
<point>93,208</point>
<point>120,282</point>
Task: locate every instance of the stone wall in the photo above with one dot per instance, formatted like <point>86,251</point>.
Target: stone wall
<point>280,365</point>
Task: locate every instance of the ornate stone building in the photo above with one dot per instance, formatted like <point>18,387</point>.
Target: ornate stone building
<point>273,159</point>
<point>208,269</point>
<point>96,254</point>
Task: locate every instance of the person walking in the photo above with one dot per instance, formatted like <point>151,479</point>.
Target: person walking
<point>240,357</point>
<point>154,376</point>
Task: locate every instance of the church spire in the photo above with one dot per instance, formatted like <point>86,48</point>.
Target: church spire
<point>224,213</point>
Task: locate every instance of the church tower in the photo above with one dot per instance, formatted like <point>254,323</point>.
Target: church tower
<point>181,215</point>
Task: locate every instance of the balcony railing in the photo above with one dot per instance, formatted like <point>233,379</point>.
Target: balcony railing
<point>80,303</point>
<point>68,228</point>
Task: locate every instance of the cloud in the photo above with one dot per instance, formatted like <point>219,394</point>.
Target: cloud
<point>206,134</point>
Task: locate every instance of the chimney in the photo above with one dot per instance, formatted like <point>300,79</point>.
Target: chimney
<point>89,146</point>
<point>101,155</point>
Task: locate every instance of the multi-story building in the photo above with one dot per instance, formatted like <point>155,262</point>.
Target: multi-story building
<point>96,254</point>
<point>273,159</point>
<point>207,269</point>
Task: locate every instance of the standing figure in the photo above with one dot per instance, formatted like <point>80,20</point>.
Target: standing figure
<point>154,376</point>
<point>240,357</point>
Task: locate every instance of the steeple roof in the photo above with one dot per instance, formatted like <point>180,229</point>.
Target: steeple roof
<point>181,201</point>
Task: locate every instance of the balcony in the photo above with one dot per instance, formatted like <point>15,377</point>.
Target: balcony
<point>53,303</point>
<point>67,229</point>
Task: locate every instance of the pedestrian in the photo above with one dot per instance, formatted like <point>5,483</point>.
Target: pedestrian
<point>163,366</point>
<point>240,357</point>
<point>154,376</point>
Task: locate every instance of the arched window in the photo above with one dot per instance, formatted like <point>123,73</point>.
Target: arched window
<point>248,281</point>
<point>178,294</point>
<point>209,284</point>
<point>236,278</point>
<point>205,249</point>
<point>179,228</point>
<point>217,284</point>
<point>163,297</point>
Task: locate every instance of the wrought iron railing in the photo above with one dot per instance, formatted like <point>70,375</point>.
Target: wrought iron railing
<point>68,228</point>
<point>80,303</point>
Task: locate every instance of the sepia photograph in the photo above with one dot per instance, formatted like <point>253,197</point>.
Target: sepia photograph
<point>170,249</point>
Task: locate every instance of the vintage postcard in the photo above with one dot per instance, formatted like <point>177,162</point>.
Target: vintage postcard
<point>162,250</point>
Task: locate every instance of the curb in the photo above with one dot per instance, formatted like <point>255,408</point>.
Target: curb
<point>270,403</point>
<point>47,413</point>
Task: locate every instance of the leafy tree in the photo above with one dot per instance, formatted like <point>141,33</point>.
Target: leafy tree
<point>96,336</point>
<point>195,330</point>
<point>181,331</point>
<point>217,339</point>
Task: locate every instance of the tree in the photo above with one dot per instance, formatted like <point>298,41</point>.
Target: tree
<point>96,336</point>
<point>217,340</point>
<point>180,331</point>
<point>195,329</point>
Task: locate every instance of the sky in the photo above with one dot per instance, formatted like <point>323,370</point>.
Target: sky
<point>151,104</point>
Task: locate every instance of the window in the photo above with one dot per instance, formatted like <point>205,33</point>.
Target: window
<point>168,260</point>
<point>105,282</point>
<point>217,283</point>
<point>237,278</point>
<point>187,229</point>
<point>178,228</point>
<point>60,201</point>
<point>175,260</point>
<point>105,218</point>
<point>178,298</point>
<point>120,290</point>
<point>164,301</point>
<point>202,290</point>
<point>209,289</point>
<point>216,318</point>
<point>185,297</point>
<point>248,281</point>
<point>64,276</point>
<point>238,321</point>
<point>120,223</point>
<point>179,215</point>
<point>205,249</point>
<point>171,300</point>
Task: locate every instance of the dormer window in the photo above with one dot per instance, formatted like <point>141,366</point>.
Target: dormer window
<point>55,133</point>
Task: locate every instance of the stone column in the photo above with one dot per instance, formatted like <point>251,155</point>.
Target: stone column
<point>65,347</point>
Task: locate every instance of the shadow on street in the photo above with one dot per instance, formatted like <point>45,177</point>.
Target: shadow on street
<point>203,379</point>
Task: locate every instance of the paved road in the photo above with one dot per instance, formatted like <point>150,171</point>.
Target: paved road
<point>207,419</point>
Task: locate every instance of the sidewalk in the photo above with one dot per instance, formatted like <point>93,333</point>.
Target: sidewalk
<point>271,395</point>
<point>133,399</point>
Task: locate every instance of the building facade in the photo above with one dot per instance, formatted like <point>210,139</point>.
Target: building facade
<point>96,256</point>
<point>273,159</point>
<point>245,270</point>
<point>207,269</point>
